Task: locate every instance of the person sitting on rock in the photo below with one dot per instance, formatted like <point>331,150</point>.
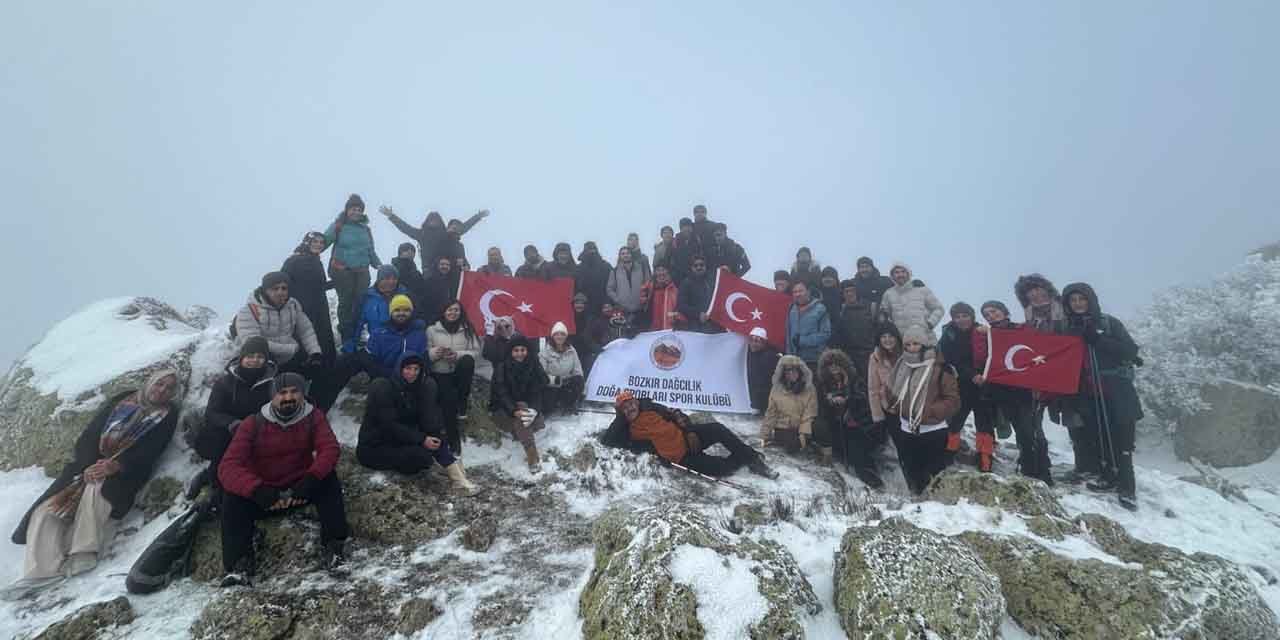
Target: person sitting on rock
<point>402,429</point>
<point>924,393</point>
<point>644,426</point>
<point>793,406</point>
<point>402,333</point>
<point>374,307</point>
<point>565,379</point>
<point>280,458</point>
<point>272,314</point>
<point>844,416</point>
<point>453,347</point>
<point>237,394</point>
<point>70,525</point>
<point>518,384</point>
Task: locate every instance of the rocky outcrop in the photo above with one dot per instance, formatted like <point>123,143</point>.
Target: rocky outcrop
<point>1016,494</point>
<point>632,592</point>
<point>91,622</point>
<point>896,580</point>
<point>1241,427</point>
<point>1158,591</point>
<point>362,610</point>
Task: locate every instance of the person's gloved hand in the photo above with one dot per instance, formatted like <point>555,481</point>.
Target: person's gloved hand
<point>315,360</point>
<point>304,486</point>
<point>265,496</point>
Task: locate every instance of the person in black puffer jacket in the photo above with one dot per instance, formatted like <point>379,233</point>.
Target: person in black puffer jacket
<point>411,278</point>
<point>236,395</point>
<point>309,284</point>
<point>593,275</point>
<point>519,382</point>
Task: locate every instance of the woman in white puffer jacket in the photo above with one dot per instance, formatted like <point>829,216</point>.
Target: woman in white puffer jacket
<point>564,371</point>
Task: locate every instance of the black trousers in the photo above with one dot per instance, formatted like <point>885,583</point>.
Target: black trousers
<point>922,456</point>
<point>713,433</point>
<point>454,393</point>
<point>405,459</point>
<point>565,396</point>
<point>1033,447</point>
<point>984,415</point>
<point>330,383</point>
<point>860,446</point>
<point>239,515</point>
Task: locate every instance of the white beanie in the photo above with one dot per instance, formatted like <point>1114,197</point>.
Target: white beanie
<point>759,332</point>
<point>919,334</point>
<point>559,327</point>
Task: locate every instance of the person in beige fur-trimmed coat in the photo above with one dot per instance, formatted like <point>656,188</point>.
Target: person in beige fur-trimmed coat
<point>793,406</point>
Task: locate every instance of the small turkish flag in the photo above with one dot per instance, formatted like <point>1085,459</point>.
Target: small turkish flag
<point>1029,359</point>
<point>534,306</point>
<point>740,306</point>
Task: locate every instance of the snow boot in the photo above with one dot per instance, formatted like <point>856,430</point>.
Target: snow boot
<point>1125,480</point>
<point>235,579</point>
<point>1104,483</point>
<point>870,478</point>
<point>333,558</point>
<point>461,485</point>
<point>986,451</point>
<point>758,467</point>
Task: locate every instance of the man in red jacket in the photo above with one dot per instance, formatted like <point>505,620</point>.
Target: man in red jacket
<point>282,457</point>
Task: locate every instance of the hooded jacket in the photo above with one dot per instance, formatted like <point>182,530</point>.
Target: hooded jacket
<point>515,382</point>
<point>398,413</point>
<point>908,305</point>
<point>352,244</point>
<point>856,410</point>
<point>808,330</point>
<point>871,288</point>
<point>1116,353</point>
<point>559,364</point>
<point>593,277</point>
<point>434,240</point>
<point>373,311</point>
<point>623,286</point>
<point>285,327</point>
<point>532,270</point>
<point>308,284</point>
<point>924,395</point>
<point>553,269</point>
<point>412,279</point>
<point>136,463</point>
<point>232,398</point>
<point>265,452</point>
<point>1044,318</point>
<point>789,410</point>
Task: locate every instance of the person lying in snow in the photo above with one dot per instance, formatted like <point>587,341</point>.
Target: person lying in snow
<point>644,426</point>
<point>71,524</point>
<point>403,429</point>
<point>280,458</point>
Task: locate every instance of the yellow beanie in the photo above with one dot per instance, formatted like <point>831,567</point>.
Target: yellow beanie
<point>401,301</point>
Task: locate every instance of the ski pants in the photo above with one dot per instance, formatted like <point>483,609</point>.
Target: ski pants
<point>239,515</point>
<point>713,433</point>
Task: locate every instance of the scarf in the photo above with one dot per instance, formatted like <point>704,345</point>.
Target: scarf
<point>1044,317</point>
<point>911,376</point>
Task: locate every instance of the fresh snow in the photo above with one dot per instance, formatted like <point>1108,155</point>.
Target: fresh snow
<point>728,600</point>
<point>95,345</point>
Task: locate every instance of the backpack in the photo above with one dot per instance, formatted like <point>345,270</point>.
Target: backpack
<point>168,557</point>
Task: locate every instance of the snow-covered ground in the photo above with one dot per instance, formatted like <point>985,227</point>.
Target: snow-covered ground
<point>1173,512</point>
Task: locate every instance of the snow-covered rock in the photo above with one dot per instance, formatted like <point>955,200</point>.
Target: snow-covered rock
<point>56,387</point>
<point>1241,427</point>
<point>896,580</point>
<point>668,572</point>
<point>92,621</point>
<point>1016,494</point>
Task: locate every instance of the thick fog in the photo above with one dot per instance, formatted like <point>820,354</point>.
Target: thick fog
<point>180,150</point>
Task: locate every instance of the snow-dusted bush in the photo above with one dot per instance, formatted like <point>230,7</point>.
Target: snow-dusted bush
<point>1229,328</point>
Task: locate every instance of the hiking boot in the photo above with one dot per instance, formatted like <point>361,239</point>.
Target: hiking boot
<point>1102,484</point>
<point>333,558</point>
<point>759,468</point>
<point>234,579</point>
<point>1129,501</point>
<point>461,485</point>
<point>824,456</point>
<point>531,458</point>
<point>870,478</point>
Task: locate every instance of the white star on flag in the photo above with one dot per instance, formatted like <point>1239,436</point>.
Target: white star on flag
<point>756,314</point>
<point>525,307</point>
<point>1038,360</point>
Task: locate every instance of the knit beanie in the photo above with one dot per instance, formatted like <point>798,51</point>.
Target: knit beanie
<point>274,278</point>
<point>781,275</point>
<point>995,304</point>
<point>401,302</point>
<point>285,380</point>
<point>686,222</point>
<point>917,333</point>
<point>404,246</point>
<point>354,200</point>
<point>387,271</point>
<point>830,271</point>
<point>867,261</point>
<point>255,344</point>
<point>962,307</point>
<point>848,284</point>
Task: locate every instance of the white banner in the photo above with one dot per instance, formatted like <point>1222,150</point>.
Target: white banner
<point>693,371</point>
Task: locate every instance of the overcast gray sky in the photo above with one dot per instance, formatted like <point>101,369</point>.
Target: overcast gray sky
<point>180,150</point>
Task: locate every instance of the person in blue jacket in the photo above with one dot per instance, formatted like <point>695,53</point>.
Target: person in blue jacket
<point>353,253</point>
<point>374,307</point>
<point>808,326</point>
<point>401,333</point>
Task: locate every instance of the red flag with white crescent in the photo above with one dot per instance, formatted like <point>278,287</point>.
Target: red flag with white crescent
<point>740,306</point>
<point>1029,359</point>
<point>534,306</point>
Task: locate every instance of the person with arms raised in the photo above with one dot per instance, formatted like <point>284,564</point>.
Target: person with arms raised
<point>434,238</point>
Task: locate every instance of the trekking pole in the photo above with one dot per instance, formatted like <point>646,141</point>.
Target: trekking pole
<point>708,478</point>
<point>1105,425</point>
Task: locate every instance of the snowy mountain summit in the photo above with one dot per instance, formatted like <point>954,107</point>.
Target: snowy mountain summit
<point>602,543</point>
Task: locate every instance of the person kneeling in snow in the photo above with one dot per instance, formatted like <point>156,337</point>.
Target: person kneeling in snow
<point>70,525</point>
<point>793,406</point>
<point>402,428</point>
<point>282,457</point>
<point>644,426</point>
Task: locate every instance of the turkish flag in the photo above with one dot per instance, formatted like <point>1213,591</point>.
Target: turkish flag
<point>740,306</point>
<point>1027,358</point>
<point>533,305</point>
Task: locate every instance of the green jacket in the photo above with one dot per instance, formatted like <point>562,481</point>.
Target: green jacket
<point>352,244</point>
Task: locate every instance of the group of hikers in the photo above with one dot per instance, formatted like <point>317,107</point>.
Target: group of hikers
<point>862,365</point>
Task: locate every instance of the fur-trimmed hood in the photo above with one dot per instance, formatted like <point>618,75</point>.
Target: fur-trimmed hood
<point>792,361</point>
<point>1030,281</point>
<point>838,358</point>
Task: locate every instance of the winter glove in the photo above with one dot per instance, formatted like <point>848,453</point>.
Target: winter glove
<point>265,496</point>
<point>304,486</point>
<point>315,360</point>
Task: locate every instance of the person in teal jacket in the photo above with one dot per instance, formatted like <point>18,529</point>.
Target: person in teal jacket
<point>353,253</point>
<point>808,326</point>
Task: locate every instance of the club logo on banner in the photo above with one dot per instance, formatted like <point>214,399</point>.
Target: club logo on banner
<point>692,371</point>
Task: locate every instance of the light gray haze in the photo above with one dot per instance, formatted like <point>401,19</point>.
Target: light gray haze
<point>179,150</point>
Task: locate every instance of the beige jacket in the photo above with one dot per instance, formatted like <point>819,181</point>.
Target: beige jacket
<point>792,411</point>
<point>437,336</point>
<point>879,378</point>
